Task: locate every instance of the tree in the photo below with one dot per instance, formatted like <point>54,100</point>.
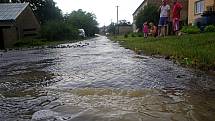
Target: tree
<point>59,30</point>
<point>83,20</point>
<point>149,13</point>
<point>124,22</point>
<point>45,10</point>
<point>112,28</point>
<point>4,1</point>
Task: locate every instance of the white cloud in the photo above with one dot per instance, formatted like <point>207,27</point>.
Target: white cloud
<point>105,10</point>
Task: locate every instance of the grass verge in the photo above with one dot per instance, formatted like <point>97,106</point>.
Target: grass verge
<point>197,51</point>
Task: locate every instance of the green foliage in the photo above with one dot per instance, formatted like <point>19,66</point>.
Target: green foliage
<point>196,50</point>
<point>136,34</point>
<point>149,13</point>
<point>4,1</point>
<point>133,35</point>
<point>140,34</point>
<point>29,42</point>
<point>210,28</point>
<point>124,23</point>
<point>59,30</point>
<point>112,28</point>
<point>190,29</point>
<point>83,20</point>
<point>126,36</point>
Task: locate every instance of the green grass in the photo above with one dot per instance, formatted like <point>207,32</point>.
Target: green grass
<point>30,42</point>
<point>197,50</point>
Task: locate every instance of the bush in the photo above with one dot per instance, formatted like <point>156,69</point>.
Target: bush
<point>126,36</point>
<point>29,42</point>
<point>140,34</point>
<point>210,28</point>
<point>58,30</point>
<point>133,35</point>
<point>190,29</point>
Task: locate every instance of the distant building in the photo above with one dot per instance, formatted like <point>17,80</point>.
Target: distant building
<point>103,30</point>
<point>124,29</point>
<point>184,12</point>
<point>198,7</point>
<point>17,21</point>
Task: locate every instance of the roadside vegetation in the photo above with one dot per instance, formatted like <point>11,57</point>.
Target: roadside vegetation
<point>64,30</point>
<point>193,50</point>
<point>57,27</point>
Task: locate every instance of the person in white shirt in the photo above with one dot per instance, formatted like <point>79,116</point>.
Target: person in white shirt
<point>164,16</point>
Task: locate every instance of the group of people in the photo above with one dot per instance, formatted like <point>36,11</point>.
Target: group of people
<point>164,9</point>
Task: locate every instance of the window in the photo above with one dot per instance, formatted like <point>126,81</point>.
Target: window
<point>199,7</point>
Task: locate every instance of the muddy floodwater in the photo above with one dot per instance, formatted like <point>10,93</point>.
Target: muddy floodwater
<point>98,80</point>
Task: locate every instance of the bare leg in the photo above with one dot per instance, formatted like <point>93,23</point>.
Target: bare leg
<point>159,30</point>
<point>162,31</point>
<point>166,30</point>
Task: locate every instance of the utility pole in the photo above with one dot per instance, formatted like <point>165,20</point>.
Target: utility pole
<point>117,19</point>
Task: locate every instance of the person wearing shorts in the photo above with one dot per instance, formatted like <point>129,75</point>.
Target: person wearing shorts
<point>176,16</point>
<point>164,16</point>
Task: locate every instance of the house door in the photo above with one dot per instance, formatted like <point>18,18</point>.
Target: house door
<point>1,39</point>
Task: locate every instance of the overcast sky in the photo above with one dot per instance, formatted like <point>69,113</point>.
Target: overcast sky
<point>105,10</point>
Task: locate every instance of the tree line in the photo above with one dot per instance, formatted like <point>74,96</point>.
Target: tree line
<point>59,26</point>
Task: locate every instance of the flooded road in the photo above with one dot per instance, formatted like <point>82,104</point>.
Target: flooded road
<point>97,80</point>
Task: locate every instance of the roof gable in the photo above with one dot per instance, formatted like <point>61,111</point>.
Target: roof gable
<point>10,11</point>
<point>139,7</point>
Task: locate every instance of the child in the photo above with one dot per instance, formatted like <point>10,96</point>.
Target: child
<point>145,29</point>
<point>153,29</point>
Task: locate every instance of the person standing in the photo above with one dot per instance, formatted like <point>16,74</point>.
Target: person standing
<point>164,16</point>
<point>145,29</point>
<point>176,16</point>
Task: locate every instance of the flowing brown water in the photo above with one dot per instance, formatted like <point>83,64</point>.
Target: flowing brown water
<point>97,80</point>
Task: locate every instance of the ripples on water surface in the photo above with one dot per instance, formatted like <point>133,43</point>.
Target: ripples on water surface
<point>97,80</point>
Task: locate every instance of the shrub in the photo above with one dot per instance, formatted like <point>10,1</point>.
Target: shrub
<point>190,29</point>
<point>58,30</point>
<point>126,36</point>
<point>133,35</point>
<point>29,42</point>
<point>210,28</point>
<point>140,34</point>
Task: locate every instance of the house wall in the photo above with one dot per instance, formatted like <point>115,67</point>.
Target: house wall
<point>10,36</point>
<point>125,29</point>
<point>27,24</point>
<point>191,11</point>
<point>1,39</point>
<point>9,33</point>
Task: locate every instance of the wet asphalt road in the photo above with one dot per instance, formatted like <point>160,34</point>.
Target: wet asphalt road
<point>97,80</point>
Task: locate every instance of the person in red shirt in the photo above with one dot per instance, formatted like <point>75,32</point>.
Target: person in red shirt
<point>176,16</point>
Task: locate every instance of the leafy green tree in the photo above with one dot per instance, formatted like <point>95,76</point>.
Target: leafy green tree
<point>4,1</point>
<point>112,28</point>
<point>83,20</point>
<point>150,13</point>
<point>124,22</point>
<point>59,30</point>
